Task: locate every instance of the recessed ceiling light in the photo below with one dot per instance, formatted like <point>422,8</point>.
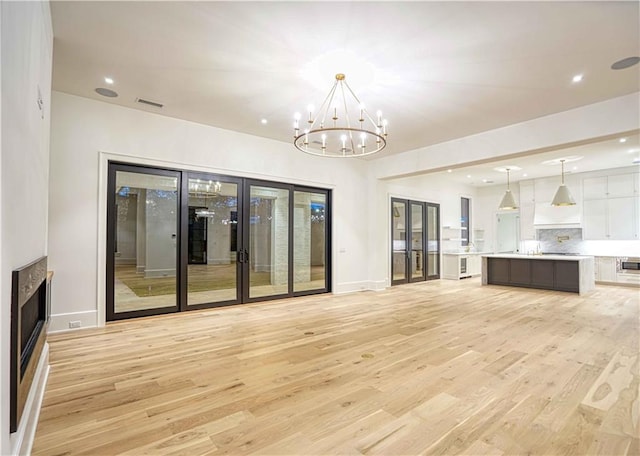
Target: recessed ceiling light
<point>469,176</point>
<point>106,92</point>
<point>623,140</point>
<point>575,167</point>
<point>108,80</point>
<point>577,78</point>
<point>625,63</point>
<point>263,121</point>
<point>449,170</point>
<point>524,175</point>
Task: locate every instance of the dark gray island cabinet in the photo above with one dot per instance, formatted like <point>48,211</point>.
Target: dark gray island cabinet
<point>574,273</point>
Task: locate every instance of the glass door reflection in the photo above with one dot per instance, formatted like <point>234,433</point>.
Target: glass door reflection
<point>266,255</point>
<point>142,241</point>
<point>309,241</point>
<point>212,244</point>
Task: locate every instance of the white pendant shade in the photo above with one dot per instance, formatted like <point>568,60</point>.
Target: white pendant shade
<point>563,197</point>
<point>508,201</point>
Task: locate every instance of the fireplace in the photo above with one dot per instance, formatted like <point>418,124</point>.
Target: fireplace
<point>29,314</point>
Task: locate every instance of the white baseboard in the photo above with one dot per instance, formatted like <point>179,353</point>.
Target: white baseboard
<point>378,285</point>
<point>61,322</point>
<point>22,440</point>
<point>350,287</point>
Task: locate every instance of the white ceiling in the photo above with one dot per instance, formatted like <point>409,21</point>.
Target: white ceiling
<point>438,70</point>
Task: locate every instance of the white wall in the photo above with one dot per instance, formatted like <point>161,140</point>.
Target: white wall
<point>85,133</point>
<point>27,46</point>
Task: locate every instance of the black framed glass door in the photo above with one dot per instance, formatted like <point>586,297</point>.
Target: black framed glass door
<point>311,240</point>
<point>213,236</point>
<point>181,240</point>
<point>433,241</point>
<point>415,253</point>
<point>143,215</point>
<point>266,254</point>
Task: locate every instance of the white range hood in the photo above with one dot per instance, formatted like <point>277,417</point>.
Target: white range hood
<point>547,216</point>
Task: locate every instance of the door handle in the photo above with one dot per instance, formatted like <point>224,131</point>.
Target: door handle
<point>242,256</point>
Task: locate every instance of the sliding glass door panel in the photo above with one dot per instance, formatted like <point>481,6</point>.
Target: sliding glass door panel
<point>142,244</point>
<point>212,269</point>
<point>309,241</point>
<point>181,240</point>
<point>266,254</point>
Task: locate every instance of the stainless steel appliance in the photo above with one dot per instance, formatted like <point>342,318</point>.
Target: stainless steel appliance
<point>628,265</point>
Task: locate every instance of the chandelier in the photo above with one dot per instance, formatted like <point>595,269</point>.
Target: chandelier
<point>336,129</point>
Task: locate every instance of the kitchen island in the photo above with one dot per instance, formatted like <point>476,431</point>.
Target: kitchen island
<point>573,273</point>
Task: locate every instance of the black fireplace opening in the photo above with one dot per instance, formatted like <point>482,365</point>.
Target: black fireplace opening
<point>29,316</point>
<point>32,319</point>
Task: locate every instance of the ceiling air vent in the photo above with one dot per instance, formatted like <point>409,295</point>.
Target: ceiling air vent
<point>150,103</point>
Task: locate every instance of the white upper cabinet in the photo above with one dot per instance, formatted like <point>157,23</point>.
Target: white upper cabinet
<point>594,219</point>
<point>623,185</point>
<point>594,188</point>
<point>623,218</point>
<point>611,207</point>
<point>615,186</point>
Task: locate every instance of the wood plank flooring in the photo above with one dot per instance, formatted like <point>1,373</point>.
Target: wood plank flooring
<point>438,368</point>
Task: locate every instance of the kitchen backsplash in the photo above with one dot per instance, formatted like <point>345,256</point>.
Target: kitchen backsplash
<point>561,240</point>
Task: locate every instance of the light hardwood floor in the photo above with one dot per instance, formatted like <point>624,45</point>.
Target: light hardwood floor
<point>443,367</point>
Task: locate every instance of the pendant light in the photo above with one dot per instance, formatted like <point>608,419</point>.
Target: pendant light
<point>508,202</point>
<point>563,197</point>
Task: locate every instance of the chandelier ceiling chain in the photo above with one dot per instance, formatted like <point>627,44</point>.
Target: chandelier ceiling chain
<point>346,138</point>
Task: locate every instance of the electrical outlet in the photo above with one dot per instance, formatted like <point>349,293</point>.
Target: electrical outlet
<point>75,324</point>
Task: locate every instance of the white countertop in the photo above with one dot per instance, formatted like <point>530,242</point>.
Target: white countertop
<point>538,257</point>
<point>466,253</point>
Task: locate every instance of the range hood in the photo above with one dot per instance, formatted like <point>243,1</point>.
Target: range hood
<point>547,216</point>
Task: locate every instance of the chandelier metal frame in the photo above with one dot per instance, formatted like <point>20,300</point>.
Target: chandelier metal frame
<point>344,137</point>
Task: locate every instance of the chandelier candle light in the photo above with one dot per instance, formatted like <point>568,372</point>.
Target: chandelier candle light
<point>336,131</point>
